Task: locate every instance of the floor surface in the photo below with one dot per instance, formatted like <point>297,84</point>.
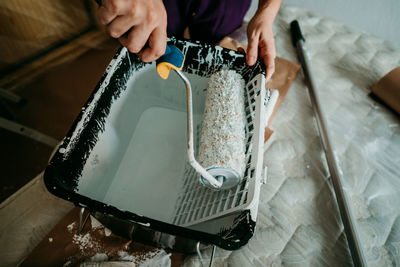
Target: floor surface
<point>53,102</point>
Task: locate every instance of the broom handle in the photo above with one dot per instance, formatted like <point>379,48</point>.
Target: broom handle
<point>336,173</point>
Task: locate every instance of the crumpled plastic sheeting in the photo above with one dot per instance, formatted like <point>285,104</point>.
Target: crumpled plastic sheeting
<point>157,259</point>
<point>298,222</point>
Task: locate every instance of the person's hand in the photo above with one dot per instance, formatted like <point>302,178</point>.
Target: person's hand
<point>139,25</point>
<point>261,42</point>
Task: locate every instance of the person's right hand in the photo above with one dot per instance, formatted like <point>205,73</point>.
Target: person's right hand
<point>139,25</point>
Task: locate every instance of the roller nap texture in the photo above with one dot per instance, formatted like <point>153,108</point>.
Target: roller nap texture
<point>222,138</point>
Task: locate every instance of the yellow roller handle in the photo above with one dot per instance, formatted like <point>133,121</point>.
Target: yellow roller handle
<point>173,58</point>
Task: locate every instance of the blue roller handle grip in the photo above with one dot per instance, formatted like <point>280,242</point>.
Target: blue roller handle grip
<point>167,50</point>
<point>173,58</point>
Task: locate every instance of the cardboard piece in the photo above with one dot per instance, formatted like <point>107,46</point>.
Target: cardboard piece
<point>387,89</point>
<point>282,79</point>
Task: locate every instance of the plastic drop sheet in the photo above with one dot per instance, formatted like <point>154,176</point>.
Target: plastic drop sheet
<point>298,222</point>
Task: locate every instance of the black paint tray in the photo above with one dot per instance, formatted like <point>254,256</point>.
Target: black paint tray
<point>124,159</point>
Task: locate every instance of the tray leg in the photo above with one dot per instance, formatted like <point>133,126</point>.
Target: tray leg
<point>201,257</point>
<point>82,221</point>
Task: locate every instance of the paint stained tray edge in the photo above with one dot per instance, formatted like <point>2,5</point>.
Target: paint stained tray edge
<point>57,167</point>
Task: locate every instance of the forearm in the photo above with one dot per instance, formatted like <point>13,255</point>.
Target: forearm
<point>270,8</point>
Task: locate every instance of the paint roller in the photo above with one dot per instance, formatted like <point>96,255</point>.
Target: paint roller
<point>222,145</point>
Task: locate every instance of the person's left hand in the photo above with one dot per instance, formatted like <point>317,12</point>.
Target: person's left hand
<point>261,42</point>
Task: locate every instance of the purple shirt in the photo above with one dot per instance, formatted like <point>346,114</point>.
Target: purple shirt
<point>208,20</point>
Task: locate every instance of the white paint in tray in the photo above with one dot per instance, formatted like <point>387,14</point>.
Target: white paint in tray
<point>138,163</point>
<point>150,173</point>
